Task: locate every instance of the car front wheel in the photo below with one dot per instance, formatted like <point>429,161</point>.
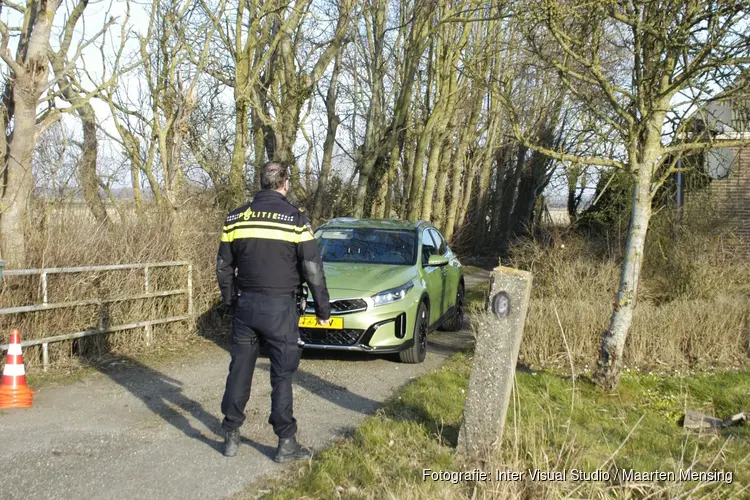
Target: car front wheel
<point>417,352</point>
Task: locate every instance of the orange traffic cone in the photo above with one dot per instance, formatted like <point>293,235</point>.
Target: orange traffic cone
<point>14,393</point>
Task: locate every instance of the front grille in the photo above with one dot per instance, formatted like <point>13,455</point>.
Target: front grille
<point>348,305</point>
<point>341,306</point>
<point>320,336</point>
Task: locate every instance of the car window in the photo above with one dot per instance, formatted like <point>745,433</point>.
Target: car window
<point>367,245</point>
<point>439,241</point>
<point>428,246</point>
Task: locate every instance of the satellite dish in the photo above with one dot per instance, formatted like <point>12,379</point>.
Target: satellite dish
<point>719,162</point>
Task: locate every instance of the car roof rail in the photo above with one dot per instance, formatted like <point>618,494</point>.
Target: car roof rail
<point>340,219</point>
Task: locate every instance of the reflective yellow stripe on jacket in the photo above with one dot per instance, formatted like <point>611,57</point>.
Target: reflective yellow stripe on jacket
<point>267,231</point>
<point>272,225</point>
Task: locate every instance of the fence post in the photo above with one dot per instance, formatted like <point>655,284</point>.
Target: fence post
<point>45,356</point>
<point>498,341</point>
<point>190,290</point>
<point>146,279</point>
<point>149,334</point>
<point>44,288</point>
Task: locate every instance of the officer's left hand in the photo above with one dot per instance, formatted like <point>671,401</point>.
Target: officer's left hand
<point>324,322</point>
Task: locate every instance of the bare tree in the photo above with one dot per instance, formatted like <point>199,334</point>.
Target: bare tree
<point>79,100</point>
<point>637,66</point>
<point>26,83</point>
<point>153,126</point>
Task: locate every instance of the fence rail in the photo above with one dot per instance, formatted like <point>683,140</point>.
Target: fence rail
<point>148,294</point>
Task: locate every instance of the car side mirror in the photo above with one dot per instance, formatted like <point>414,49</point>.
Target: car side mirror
<point>437,261</point>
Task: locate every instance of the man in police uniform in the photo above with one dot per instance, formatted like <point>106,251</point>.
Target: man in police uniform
<point>269,242</point>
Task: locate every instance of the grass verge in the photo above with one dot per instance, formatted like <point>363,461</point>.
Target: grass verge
<point>555,424</point>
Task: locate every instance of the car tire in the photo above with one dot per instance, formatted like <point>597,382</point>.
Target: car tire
<point>417,352</point>
<point>457,319</point>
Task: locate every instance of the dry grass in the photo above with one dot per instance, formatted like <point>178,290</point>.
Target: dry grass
<point>693,309</point>
<point>69,237</point>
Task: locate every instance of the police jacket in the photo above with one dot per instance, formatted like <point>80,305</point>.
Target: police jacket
<point>270,243</point>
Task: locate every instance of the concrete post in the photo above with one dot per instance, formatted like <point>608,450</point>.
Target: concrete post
<point>498,341</point>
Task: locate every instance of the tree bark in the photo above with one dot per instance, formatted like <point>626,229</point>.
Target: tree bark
<point>502,158</point>
<point>19,182</point>
<point>610,362</point>
<point>509,197</point>
<point>459,170</point>
<point>480,222</point>
<point>87,165</point>
<point>394,160</point>
<point>377,25</point>
<point>237,170</point>
<point>441,187</point>
<point>330,140</point>
<point>135,179</point>
<point>466,193</point>
<point>259,150</point>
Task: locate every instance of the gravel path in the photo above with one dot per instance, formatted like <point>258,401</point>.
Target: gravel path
<point>135,431</point>
<point>139,431</point>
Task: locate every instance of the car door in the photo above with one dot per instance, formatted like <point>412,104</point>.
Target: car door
<point>451,272</point>
<point>433,275</point>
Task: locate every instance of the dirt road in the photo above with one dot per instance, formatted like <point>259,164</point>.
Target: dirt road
<point>136,431</point>
<point>139,431</point>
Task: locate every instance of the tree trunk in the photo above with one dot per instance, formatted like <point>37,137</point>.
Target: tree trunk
<point>259,150</point>
<point>416,191</point>
<point>376,23</point>
<point>509,198</point>
<point>28,77</point>
<point>480,221</point>
<point>466,193</point>
<point>330,141</point>
<point>573,176</point>
<point>524,206</point>
<point>459,164</point>
<point>87,165</point>
<point>19,181</point>
<point>455,201</point>
<point>135,178</point>
<point>410,152</point>
<point>377,210</point>
<point>390,201</point>
<point>502,157</point>
<point>237,170</point>
<point>439,218</point>
<point>430,181</point>
<point>610,362</point>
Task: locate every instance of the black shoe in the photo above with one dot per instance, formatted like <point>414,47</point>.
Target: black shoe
<point>289,450</point>
<point>231,443</point>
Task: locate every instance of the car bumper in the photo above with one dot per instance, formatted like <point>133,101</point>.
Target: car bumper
<point>383,329</point>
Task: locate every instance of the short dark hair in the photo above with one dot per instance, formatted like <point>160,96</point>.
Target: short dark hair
<point>273,175</point>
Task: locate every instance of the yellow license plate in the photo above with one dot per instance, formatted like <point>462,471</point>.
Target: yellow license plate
<point>312,322</point>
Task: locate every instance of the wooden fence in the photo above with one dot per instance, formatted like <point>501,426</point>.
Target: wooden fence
<point>148,294</point>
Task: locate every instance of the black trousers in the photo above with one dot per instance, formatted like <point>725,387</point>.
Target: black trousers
<point>274,321</point>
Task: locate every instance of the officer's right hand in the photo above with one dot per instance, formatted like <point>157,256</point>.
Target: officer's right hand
<point>324,322</point>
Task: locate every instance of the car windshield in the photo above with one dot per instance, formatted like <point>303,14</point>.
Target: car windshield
<point>367,245</point>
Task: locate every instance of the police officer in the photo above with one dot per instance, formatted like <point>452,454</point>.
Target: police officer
<point>269,242</point>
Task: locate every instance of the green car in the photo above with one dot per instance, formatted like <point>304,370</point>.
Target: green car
<point>390,284</point>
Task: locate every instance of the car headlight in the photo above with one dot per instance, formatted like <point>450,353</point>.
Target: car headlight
<point>392,295</point>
